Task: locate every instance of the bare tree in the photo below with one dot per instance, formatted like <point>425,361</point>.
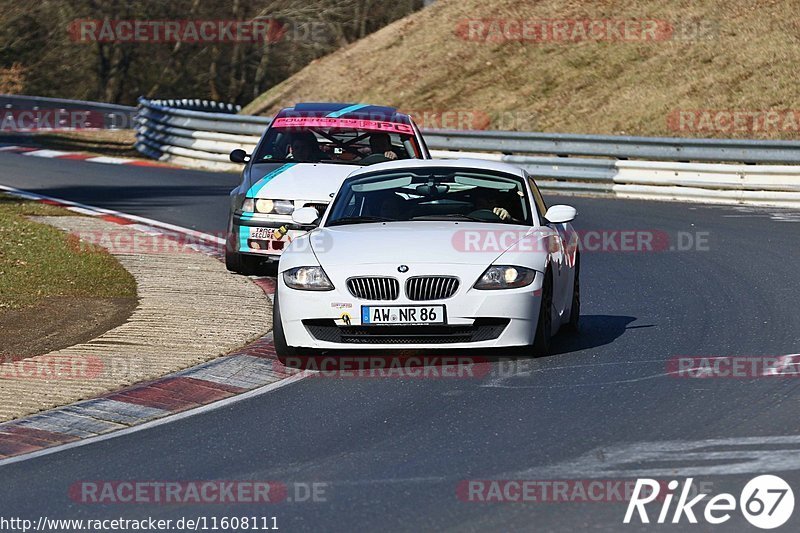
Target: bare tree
<point>37,46</point>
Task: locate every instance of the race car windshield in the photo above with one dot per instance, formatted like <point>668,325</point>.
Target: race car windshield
<point>347,141</point>
<point>438,195</point>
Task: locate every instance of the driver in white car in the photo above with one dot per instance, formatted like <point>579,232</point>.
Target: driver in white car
<point>492,201</point>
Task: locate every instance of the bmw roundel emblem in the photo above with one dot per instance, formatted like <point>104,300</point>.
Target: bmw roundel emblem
<point>402,268</point>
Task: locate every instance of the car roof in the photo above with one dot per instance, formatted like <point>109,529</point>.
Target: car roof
<point>472,164</point>
<point>346,111</point>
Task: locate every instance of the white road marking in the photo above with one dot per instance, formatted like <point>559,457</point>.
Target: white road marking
<point>676,459</point>
<point>776,214</point>
<point>46,153</point>
<point>106,159</point>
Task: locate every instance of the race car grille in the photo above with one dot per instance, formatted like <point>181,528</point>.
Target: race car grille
<point>431,287</point>
<point>483,329</point>
<point>374,288</point>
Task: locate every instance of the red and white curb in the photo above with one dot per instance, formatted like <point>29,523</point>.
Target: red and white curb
<point>247,370</point>
<point>78,156</point>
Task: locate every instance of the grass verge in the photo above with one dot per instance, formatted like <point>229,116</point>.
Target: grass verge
<point>39,262</point>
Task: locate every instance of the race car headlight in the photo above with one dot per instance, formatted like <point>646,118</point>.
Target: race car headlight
<point>284,207</point>
<point>505,277</point>
<point>279,207</point>
<point>307,278</point>
<point>264,206</point>
<point>248,206</point>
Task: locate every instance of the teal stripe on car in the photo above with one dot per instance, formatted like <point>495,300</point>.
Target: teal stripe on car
<point>244,234</point>
<point>346,110</point>
<point>256,188</point>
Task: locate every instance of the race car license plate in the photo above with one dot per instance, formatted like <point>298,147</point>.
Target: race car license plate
<point>401,315</point>
<point>262,234</point>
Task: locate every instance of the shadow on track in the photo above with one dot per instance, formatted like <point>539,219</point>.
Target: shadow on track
<point>596,330</point>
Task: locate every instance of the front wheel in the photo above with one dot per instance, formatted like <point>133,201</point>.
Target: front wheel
<point>544,326</point>
<point>247,265</point>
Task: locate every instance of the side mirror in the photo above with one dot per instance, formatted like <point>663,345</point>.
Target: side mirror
<point>305,216</point>
<point>239,156</point>
<point>561,214</point>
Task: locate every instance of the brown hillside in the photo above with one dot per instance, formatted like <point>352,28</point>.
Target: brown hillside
<point>732,55</point>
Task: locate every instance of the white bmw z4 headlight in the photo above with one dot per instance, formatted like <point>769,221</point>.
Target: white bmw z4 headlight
<point>307,278</point>
<point>505,277</point>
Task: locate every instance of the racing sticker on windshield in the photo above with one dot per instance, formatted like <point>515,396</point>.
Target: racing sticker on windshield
<point>301,123</point>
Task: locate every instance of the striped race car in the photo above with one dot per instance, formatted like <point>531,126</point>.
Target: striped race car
<point>301,160</point>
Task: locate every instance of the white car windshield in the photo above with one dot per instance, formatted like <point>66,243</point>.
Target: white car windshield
<point>432,194</point>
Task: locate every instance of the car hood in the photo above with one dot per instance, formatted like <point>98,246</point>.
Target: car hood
<point>418,242</point>
<point>298,181</point>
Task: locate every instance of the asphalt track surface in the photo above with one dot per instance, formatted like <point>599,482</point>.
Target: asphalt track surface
<point>393,451</point>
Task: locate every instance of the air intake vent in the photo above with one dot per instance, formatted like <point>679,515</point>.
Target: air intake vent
<point>424,288</point>
<point>374,288</point>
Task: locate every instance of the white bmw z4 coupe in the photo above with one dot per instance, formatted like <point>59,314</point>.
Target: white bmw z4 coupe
<point>429,255</point>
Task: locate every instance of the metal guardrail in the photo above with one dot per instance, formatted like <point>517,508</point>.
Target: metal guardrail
<point>208,106</point>
<point>631,167</point>
<point>619,147</point>
<point>517,146</point>
<point>102,115</point>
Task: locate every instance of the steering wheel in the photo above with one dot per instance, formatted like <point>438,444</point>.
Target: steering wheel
<point>374,158</point>
<point>485,214</point>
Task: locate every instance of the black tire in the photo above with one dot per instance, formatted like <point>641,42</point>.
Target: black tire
<point>269,269</point>
<point>544,326</point>
<point>246,265</point>
<point>282,349</point>
<point>575,310</point>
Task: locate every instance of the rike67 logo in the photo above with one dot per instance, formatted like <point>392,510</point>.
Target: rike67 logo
<point>766,502</point>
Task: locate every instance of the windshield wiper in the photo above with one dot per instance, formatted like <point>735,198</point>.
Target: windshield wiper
<point>448,216</point>
<point>358,220</point>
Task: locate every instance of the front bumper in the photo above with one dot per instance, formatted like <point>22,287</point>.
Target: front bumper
<point>263,235</point>
<point>475,318</point>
